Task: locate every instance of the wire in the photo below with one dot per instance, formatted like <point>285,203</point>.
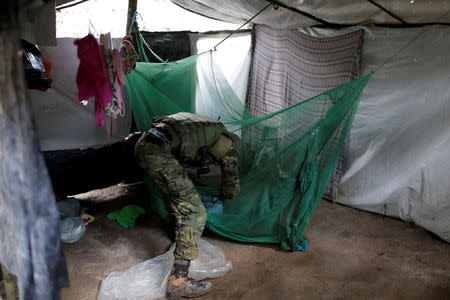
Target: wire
<point>263,9</point>
<point>387,11</point>
<point>305,14</point>
<point>409,43</point>
<point>69,5</point>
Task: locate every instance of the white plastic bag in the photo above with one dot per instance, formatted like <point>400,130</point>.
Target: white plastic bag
<point>210,262</point>
<point>71,229</point>
<point>148,280</point>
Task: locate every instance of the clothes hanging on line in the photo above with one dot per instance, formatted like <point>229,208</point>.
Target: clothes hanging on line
<point>101,74</point>
<point>128,54</point>
<point>116,106</point>
<point>93,76</point>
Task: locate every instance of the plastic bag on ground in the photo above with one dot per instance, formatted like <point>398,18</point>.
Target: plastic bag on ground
<point>148,280</point>
<point>71,229</point>
<point>69,207</point>
<point>210,262</point>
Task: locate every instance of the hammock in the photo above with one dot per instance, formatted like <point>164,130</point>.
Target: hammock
<point>287,158</point>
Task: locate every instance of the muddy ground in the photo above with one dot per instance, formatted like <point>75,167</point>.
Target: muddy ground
<point>352,255</point>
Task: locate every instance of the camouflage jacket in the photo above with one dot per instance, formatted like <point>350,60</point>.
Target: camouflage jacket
<point>191,132</point>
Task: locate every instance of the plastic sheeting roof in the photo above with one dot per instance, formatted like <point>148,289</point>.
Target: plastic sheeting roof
<point>343,12</point>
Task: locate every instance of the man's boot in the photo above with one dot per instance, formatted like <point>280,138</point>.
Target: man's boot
<point>179,285</point>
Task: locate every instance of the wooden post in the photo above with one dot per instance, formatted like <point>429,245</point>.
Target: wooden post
<point>12,92</point>
<point>25,187</point>
<point>132,7</point>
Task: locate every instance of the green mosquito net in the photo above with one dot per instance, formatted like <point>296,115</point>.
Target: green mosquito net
<point>287,158</point>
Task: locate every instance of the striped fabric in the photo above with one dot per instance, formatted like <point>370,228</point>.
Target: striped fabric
<point>289,67</point>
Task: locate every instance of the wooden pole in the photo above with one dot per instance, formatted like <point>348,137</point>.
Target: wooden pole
<point>12,92</point>
<point>132,7</point>
<point>25,187</point>
<point>12,85</point>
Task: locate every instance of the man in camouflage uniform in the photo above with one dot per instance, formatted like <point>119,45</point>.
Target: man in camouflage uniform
<point>178,151</point>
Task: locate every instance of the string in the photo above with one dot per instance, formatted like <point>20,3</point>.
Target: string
<point>133,20</point>
<point>140,38</point>
<point>263,9</point>
<point>409,43</point>
<point>92,27</point>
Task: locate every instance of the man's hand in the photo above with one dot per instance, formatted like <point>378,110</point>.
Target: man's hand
<point>230,187</point>
<point>230,173</point>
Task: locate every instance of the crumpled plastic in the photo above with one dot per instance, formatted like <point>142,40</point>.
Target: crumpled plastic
<point>35,71</point>
<point>69,207</point>
<point>71,229</point>
<point>148,280</point>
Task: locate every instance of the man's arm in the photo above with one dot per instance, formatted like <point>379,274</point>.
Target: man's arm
<point>230,173</point>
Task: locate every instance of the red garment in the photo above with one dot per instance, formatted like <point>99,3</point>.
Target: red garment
<point>48,68</point>
<point>128,38</point>
<point>92,76</point>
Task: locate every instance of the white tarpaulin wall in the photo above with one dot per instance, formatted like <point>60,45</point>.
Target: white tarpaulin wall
<point>64,123</point>
<point>333,11</point>
<point>397,162</point>
<point>233,57</point>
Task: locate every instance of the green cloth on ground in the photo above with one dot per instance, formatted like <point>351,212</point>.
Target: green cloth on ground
<point>127,216</point>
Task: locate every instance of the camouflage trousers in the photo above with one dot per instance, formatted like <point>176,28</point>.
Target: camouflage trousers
<point>183,199</point>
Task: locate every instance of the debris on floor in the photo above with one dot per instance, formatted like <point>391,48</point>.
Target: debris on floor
<point>73,220</point>
<point>148,280</point>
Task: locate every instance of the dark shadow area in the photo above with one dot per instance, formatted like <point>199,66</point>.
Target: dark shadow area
<point>80,170</point>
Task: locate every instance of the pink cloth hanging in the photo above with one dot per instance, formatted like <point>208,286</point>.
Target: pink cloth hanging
<point>92,76</point>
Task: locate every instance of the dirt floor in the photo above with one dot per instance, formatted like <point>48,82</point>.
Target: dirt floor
<point>352,255</point>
